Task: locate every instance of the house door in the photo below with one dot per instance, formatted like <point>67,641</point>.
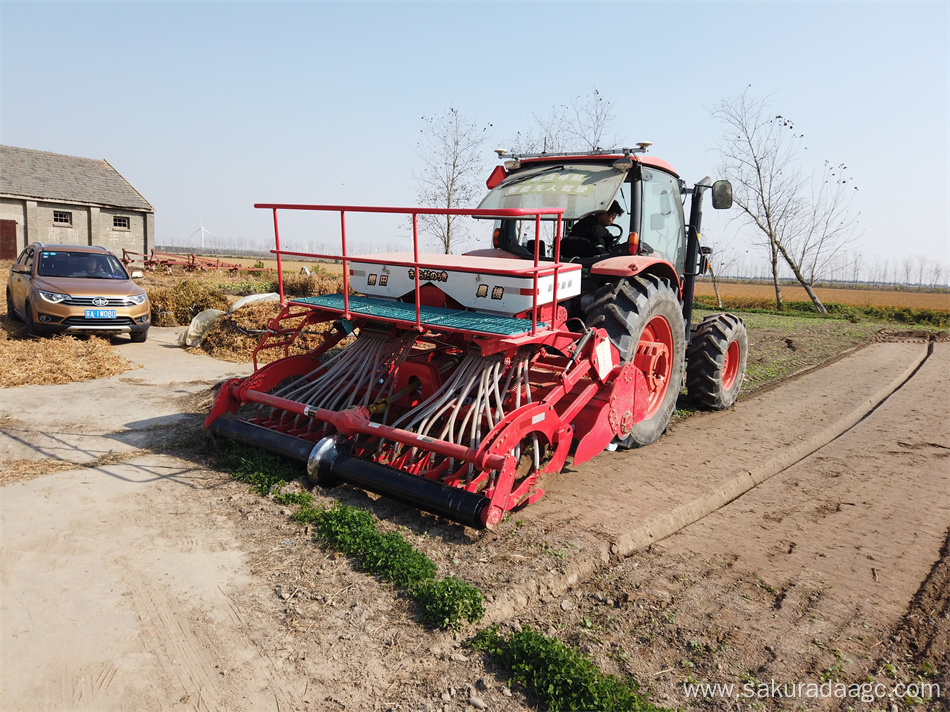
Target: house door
<point>8,249</point>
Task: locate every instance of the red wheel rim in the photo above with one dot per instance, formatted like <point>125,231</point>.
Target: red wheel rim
<point>655,359</point>
<point>730,366</point>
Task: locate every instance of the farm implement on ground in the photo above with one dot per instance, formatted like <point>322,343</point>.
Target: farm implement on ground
<point>190,262</point>
<point>455,383</point>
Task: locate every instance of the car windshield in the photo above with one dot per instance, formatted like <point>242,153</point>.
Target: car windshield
<point>579,188</point>
<point>89,265</point>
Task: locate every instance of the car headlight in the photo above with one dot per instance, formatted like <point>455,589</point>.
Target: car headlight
<point>136,298</point>
<point>53,297</point>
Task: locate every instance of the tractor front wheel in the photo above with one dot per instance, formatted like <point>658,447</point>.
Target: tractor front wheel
<point>716,361</point>
<point>643,317</point>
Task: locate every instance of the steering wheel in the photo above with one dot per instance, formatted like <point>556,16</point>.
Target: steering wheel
<point>614,239</point>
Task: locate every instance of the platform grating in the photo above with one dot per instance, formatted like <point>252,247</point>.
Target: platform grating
<point>434,317</point>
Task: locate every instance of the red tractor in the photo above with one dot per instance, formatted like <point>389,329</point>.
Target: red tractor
<point>466,379</point>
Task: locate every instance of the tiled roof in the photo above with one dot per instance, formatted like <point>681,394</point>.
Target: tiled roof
<point>54,177</point>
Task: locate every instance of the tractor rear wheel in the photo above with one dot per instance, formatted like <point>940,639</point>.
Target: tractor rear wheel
<point>716,361</point>
<point>643,317</point>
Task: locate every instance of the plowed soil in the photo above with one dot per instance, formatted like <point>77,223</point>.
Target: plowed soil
<point>156,583</point>
<point>912,298</point>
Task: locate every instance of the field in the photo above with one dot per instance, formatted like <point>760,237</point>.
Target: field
<point>833,295</point>
<point>217,598</point>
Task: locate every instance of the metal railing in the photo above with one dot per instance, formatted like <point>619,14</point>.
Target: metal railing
<point>537,270</point>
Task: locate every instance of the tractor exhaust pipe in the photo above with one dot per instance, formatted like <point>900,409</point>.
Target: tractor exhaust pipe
<point>328,464</point>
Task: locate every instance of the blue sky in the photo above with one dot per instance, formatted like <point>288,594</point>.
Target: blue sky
<point>207,108</point>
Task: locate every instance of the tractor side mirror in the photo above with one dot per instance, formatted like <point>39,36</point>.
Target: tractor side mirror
<point>704,252</point>
<point>722,195</point>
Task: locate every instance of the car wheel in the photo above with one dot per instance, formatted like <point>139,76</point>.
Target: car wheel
<point>11,312</point>
<point>139,336</point>
<point>30,324</point>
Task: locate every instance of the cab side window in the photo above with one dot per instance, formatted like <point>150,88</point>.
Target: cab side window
<point>26,258</point>
<point>663,225</point>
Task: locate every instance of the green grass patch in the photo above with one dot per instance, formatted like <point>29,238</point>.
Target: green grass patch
<point>444,603</point>
<point>558,676</point>
<point>260,469</point>
<point>386,555</point>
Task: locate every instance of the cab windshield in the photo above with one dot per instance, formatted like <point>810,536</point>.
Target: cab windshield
<point>579,188</point>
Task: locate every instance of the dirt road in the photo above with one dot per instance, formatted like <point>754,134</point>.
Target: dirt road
<point>152,583</point>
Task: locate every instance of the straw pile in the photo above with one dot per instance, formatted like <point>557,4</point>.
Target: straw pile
<point>233,337</point>
<point>178,305</point>
<point>311,285</point>
<point>52,360</point>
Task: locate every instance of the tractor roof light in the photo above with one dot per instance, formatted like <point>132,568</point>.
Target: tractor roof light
<point>513,165</point>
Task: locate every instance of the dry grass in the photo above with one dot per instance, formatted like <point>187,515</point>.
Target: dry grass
<point>178,305</point>
<point>52,360</point>
<point>311,285</point>
<point>233,337</point>
<point>24,470</point>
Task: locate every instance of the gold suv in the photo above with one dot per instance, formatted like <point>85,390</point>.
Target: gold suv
<point>75,289</point>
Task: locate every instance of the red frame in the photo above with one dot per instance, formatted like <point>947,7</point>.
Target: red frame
<point>537,270</point>
<point>574,393</point>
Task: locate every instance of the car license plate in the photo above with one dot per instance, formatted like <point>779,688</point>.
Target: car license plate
<point>100,313</point>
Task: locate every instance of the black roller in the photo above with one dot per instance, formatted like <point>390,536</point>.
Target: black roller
<point>328,463</point>
<point>278,443</point>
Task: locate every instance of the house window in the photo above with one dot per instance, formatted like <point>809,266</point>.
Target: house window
<point>120,222</point>
<point>62,218</point>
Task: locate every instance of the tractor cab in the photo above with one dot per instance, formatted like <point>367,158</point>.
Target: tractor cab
<point>648,190</point>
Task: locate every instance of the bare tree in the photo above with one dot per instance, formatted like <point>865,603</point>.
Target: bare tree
<point>450,149</point>
<point>801,222</point>
<point>907,269</point>
<point>936,274</point>
<point>724,260</point>
<point>587,123</point>
<point>857,267</point>
<point>922,261</point>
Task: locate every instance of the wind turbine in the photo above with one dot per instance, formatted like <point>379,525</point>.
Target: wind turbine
<point>202,230</point>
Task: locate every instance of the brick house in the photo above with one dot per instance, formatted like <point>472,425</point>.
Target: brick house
<point>48,197</point>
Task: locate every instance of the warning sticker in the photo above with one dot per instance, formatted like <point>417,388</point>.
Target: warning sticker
<point>604,359</point>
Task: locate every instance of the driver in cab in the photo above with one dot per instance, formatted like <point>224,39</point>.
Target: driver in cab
<point>93,266</point>
<point>594,230</point>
